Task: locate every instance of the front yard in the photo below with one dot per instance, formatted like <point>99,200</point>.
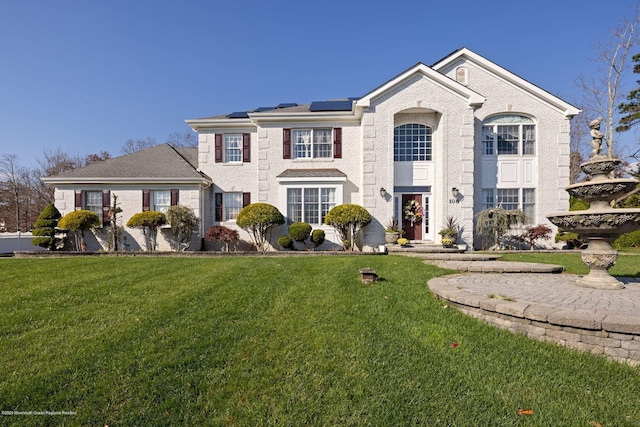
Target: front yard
<point>277,341</point>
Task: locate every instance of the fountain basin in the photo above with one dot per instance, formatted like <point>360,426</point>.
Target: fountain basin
<point>606,190</point>
<point>609,223</point>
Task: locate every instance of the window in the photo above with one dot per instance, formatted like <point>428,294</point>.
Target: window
<point>232,205</point>
<point>510,199</point>
<point>412,143</point>
<point>310,205</point>
<point>312,143</point>
<point>232,148</point>
<point>508,134</point>
<point>228,205</point>
<point>161,200</point>
<point>93,202</point>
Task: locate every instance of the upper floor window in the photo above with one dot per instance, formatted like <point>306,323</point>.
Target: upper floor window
<point>233,148</point>
<point>508,134</point>
<point>412,143</point>
<point>312,143</point>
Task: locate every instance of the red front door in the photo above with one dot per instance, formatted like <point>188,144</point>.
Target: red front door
<point>412,230</point>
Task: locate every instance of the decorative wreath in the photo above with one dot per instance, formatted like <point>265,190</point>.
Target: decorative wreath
<point>413,211</point>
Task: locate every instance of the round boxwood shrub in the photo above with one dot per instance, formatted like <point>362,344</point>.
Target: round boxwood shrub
<point>285,242</point>
<point>79,222</point>
<point>317,237</point>
<point>259,219</point>
<point>299,231</point>
<point>348,220</point>
<point>149,222</point>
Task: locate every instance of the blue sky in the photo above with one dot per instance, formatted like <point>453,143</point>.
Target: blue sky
<point>88,75</point>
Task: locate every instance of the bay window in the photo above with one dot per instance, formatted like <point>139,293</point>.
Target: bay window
<point>310,204</point>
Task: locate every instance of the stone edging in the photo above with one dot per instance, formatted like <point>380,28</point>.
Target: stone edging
<point>613,335</point>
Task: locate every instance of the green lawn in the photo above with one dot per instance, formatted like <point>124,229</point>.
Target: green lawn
<point>628,264</point>
<point>277,341</point>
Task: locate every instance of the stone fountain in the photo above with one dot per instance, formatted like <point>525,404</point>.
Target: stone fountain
<point>601,224</point>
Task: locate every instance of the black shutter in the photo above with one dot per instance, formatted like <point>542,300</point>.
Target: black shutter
<point>218,147</point>
<point>146,200</point>
<point>246,147</point>
<point>246,199</point>
<point>218,206</point>
<point>175,197</point>
<point>78,199</point>
<point>286,143</point>
<point>337,143</point>
<point>106,205</point>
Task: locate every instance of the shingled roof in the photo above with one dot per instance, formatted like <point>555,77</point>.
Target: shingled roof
<point>159,163</point>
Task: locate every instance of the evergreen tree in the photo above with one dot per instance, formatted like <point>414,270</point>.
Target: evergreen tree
<point>46,227</point>
<point>631,110</point>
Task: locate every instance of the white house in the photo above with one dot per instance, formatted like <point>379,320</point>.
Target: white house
<point>456,137</point>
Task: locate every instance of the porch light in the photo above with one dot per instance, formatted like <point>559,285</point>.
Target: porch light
<point>455,192</point>
<point>383,192</point>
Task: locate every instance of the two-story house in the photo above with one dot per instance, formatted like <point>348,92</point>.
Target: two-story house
<point>456,137</point>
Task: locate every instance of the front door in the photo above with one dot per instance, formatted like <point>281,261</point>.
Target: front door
<point>412,216</point>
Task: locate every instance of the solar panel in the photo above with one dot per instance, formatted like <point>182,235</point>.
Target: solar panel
<point>331,106</point>
<point>287,105</point>
<point>261,109</point>
<point>239,115</point>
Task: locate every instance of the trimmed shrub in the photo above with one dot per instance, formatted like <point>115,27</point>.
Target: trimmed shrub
<point>300,231</point>
<point>183,223</point>
<point>285,242</point>
<point>317,237</point>
<point>348,220</point>
<point>259,219</point>
<point>148,222</point>
<point>79,222</point>
<point>46,228</point>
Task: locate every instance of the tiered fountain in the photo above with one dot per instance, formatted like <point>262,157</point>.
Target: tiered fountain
<point>601,224</point>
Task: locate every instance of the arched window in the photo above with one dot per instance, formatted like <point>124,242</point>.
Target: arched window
<point>412,143</point>
<point>508,134</point>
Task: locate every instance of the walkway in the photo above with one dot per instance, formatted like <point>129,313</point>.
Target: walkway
<point>536,300</point>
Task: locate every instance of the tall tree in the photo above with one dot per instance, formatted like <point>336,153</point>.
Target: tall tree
<point>133,145</point>
<point>10,174</point>
<point>601,94</point>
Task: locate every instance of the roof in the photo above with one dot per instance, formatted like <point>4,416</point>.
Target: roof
<point>312,173</point>
<point>159,163</point>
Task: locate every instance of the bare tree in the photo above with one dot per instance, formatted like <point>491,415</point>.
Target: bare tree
<point>183,139</point>
<point>10,174</point>
<point>133,145</point>
<point>601,94</point>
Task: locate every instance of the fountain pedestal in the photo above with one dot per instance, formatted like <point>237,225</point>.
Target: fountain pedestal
<point>601,224</point>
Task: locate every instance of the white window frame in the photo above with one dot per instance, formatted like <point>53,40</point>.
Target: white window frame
<point>232,204</point>
<point>232,148</point>
<point>92,205</point>
<point>411,148</point>
<point>312,143</point>
<point>310,211</point>
<point>521,130</point>
<point>160,200</point>
<point>522,198</point>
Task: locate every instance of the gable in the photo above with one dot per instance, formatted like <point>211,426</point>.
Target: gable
<point>449,64</point>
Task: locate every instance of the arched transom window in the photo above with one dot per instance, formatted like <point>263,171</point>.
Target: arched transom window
<point>508,134</point>
<point>412,143</point>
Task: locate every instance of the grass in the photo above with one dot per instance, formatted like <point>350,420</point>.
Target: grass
<point>628,264</point>
<point>278,341</point>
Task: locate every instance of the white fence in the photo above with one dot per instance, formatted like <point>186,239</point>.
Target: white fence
<point>10,242</point>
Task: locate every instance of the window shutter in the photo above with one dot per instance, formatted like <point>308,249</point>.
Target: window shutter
<point>175,197</point>
<point>286,143</point>
<point>106,205</point>
<point>78,199</point>
<point>218,147</point>
<point>246,147</point>
<point>218,206</point>
<point>146,200</point>
<point>337,143</point>
<point>246,199</point>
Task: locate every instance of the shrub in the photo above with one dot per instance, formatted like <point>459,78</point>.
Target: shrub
<point>259,219</point>
<point>299,231</point>
<point>46,228</point>
<point>149,222</point>
<point>317,237</point>
<point>628,240</point>
<point>183,223</point>
<point>494,223</point>
<point>285,242</point>
<point>79,222</point>
<point>572,240</point>
<point>348,220</point>
<point>223,234</point>
<point>576,204</point>
<point>533,233</point>
<point>402,241</point>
